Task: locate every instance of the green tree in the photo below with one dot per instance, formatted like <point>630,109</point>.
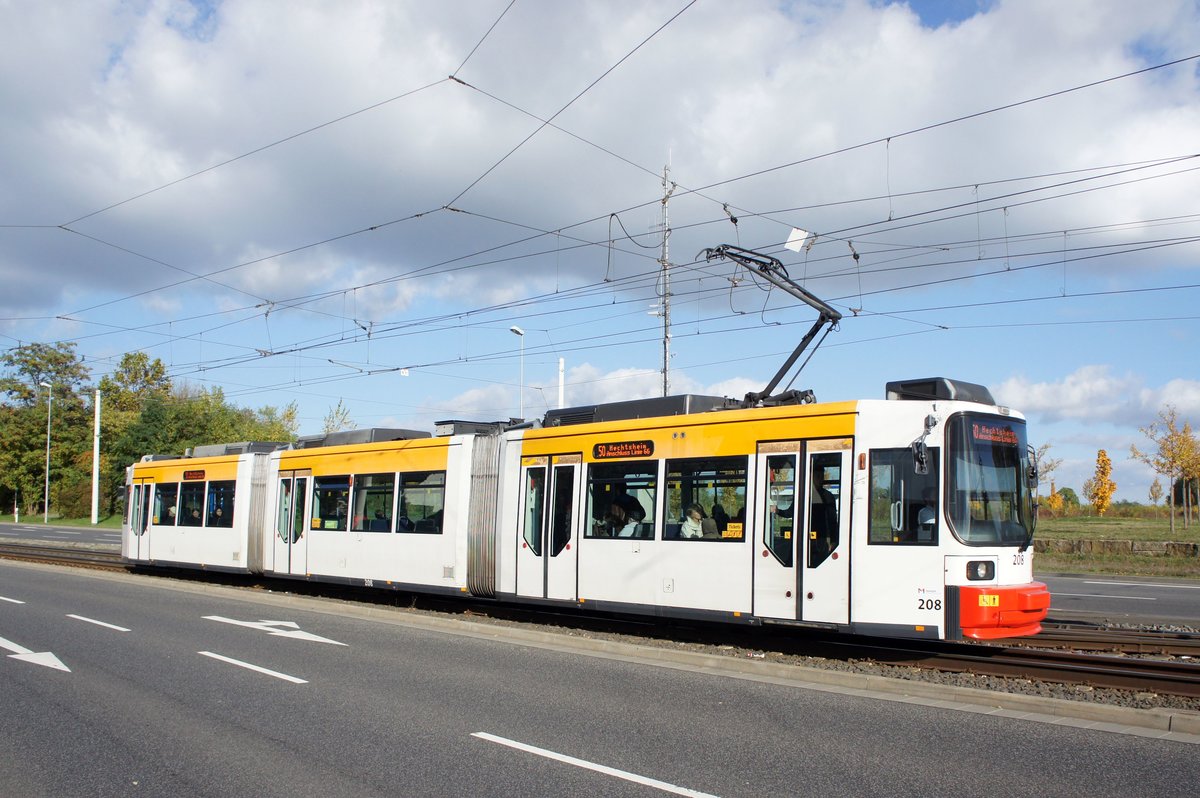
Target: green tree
<point>338,419</point>
<point>42,387</point>
<point>123,395</point>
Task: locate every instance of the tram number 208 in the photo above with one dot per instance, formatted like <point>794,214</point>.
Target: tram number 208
<point>929,604</point>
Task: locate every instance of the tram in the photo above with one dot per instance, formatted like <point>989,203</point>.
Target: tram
<point>906,516</point>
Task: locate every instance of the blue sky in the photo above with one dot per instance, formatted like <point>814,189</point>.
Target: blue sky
<point>303,207</point>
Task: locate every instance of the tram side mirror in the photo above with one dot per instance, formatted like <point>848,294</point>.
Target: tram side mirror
<point>920,457</point>
<point>1031,473</point>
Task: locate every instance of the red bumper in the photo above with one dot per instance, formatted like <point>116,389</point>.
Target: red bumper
<point>988,613</point>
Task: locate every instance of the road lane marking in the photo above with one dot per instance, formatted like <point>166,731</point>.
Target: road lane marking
<point>1098,595</point>
<point>98,623</point>
<point>11,601</point>
<point>583,763</point>
<point>23,654</point>
<point>271,627</point>
<point>255,668</point>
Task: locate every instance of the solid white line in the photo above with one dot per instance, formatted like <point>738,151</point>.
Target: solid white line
<point>1144,584</point>
<point>1097,595</point>
<point>583,763</point>
<point>256,668</point>
<point>98,623</point>
<point>11,601</point>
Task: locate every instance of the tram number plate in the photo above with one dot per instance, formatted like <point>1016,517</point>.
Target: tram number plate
<point>987,600</point>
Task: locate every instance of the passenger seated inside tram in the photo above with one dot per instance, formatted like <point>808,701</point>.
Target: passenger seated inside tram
<point>625,514</point>
<point>380,522</point>
<point>720,517</point>
<point>692,518</point>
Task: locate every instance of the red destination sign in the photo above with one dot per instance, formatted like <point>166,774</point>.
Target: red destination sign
<point>193,475</point>
<point>986,432</point>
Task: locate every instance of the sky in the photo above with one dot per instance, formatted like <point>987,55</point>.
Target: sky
<point>355,202</point>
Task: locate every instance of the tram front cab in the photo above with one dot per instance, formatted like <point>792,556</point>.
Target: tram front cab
<point>991,511</point>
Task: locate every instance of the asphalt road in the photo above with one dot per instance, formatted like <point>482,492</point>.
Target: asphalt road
<point>37,532</point>
<point>200,691</point>
<point>1124,599</point>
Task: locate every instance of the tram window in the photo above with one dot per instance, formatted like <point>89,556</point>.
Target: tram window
<point>422,502</point>
<point>373,494</point>
<point>331,498</point>
<point>564,508</point>
<point>704,487</point>
<point>535,504</point>
<point>903,504</point>
<point>824,527</point>
<point>780,509</point>
<point>191,504</point>
<point>220,503</point>
<point>621,500</point>
<point>166,496</point>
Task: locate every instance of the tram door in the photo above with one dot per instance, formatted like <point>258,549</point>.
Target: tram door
<point>139,520</point>
<point>547,549</point>
<point>802,569</point>
<point>291,541</point>
<point>825,583</point>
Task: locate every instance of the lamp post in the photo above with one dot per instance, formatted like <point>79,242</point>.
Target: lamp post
<point>49,411</point>
<point>517,331</point>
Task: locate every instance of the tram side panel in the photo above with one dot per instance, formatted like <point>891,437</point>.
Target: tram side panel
<point>508,531</point>
<point>383,515</point>
<point>195,512</point>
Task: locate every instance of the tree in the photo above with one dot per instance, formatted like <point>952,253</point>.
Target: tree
<point>27,419</point>
<point>1174,447</point>
<point>1156,493</point>
<point>1101,487</point>
<point>338,419</point>
<point>1069,497</point>
<point>1046,465</point>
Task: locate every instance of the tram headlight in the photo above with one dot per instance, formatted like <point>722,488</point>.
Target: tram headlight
<point>981,570</point>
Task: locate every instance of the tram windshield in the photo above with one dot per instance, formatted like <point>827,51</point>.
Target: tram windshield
<point>989,499</point>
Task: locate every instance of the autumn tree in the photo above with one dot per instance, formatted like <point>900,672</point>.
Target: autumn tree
<point>1155,494</point>
<point>1174,448</point>
<point>1100,487</point>
<point>1046,465</point>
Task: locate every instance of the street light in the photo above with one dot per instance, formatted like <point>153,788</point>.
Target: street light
<point>517,331</point>
<point>49,410</point>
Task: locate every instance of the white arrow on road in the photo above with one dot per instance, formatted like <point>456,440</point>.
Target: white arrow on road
<point>27,655</point>
<point>272,628</point>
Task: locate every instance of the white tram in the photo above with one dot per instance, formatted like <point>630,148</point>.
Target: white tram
<point>906,517</point>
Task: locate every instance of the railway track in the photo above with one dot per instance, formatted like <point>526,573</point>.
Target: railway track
<point>90,558</point>
<point>1073,654</point>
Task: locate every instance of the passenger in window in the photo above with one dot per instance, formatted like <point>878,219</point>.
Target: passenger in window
<point>720,517</point>
<point>624,515</point>
<point>171,515</point>
<point>927,517</point>
<point>692,526</point>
